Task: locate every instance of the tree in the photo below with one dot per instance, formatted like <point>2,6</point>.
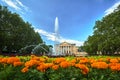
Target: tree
<point>15,33</point>
<point>106,33</point>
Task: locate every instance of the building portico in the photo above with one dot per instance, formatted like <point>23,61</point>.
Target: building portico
<point>66,48</point>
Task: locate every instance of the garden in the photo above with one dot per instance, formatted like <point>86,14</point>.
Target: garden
<point>61,68</point>
<point>18,37</point>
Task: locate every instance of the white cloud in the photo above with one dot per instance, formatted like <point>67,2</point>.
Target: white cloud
<point>16,4</point>
<point>78,43</point>
<point>111,9</point>
<point>51,36</point>
<point>20,3</point>
<point>11,4</point>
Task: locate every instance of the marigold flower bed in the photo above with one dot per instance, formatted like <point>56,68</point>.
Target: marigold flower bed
<point>63,68</point>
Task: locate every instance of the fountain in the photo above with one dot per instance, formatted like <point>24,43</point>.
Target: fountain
<point>56,37</point>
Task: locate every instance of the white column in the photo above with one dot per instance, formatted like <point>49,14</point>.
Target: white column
<point>68,49</point>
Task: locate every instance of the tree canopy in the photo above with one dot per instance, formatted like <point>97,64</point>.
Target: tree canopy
<point>106,35</point>
<point>15,33</point>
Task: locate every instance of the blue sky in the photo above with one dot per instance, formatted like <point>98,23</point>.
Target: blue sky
<point>76,17</point>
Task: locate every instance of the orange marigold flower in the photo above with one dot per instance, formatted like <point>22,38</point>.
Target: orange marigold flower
<point>85,70</point>
<point>78,58</point>
<point>112,64</point>
<point>59,60</point>
<point>72,64</point>
<point>55,67</point>
<point>42,60</point>
<point>73,61</point>
<point>65,64</point>
<point>114,60</point>
<point>35,58</point>
<point>118,59</point>
<point>0,60</point>
<point>25,69</point>
<point>11,60</point>
<point>4,60</point>
<point>83,67</point>
<point>17,64</point>
<point>108,59</point>
<point>48,65</point>
<point>115,66</point>
<point>31,63</point>
<point>83,61</point>
<point>100,60</point>
<point>100,65</point>
<point>92,60</point>
<point>42,67</point>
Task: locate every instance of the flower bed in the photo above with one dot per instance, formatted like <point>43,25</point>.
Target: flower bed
<point>68,68</point>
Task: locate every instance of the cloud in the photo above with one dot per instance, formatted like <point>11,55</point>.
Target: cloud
<point>51,36</point>
<point>16,4</point>
<point>11,4</point>
<point>20,3</point>
<point>111,9</point>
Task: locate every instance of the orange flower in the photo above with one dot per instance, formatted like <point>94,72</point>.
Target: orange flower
<point>42,67</point>
<point>114,66</point>
<point>17,64</point>
<point>48,65</point>
<point>25,69</point>
<point>100,65</point>
<point>42,60</point>
<point>0,60</point>
<point>64,64</point>
<point>114,60</point>
<point>83,67</point>
<point>11,60</point>
<point>31,63</point>
<point>108,59</point>
<point>73,61</point>
<point>72,64</point>
<point>83,61</point>
<point>92,60</point>
<point>100,60</point>
<point>55,67</point>
<point>85,70</point>
<point>118,59</point>
<point>4,60</point>
<point>59,60</point>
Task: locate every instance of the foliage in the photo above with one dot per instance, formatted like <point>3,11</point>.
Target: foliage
<point>44,68</point>
<point>106,33</point>
<point>16,33</point>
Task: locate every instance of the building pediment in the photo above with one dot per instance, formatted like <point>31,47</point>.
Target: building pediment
<point>65,43</point>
